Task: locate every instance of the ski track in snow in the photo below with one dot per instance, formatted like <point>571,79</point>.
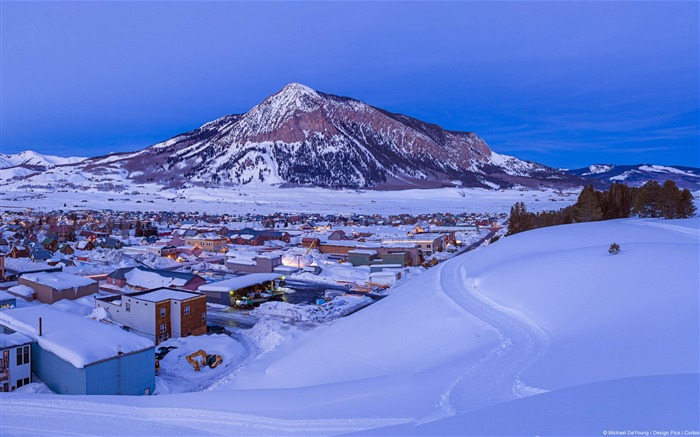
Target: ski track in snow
<point>496,377</point>
<point>90,418</point>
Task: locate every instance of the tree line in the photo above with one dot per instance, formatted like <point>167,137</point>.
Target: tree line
<point>619,201</point>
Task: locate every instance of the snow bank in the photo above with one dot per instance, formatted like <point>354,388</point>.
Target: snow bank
<point>331,310</point>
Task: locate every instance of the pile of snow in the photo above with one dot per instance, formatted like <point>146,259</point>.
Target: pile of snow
<point>338,307</point>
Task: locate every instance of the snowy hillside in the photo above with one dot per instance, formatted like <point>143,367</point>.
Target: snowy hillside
<point>468,347</point>
<point>30,158</point>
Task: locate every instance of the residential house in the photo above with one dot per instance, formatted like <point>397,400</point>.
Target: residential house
<point>15,360</point>
<point>144,278</point>
<point>85,245</point>
<point>39,254</point>
<point>428,243</point>
<point>19,252</point>
<point>253,237</point>
<point>262,263</point>
<point>208,242</point>
<point>75,355</point>
<point>51,287</point>
<point>159,314</point>
<point>66,249</point>
<point>50,244</point>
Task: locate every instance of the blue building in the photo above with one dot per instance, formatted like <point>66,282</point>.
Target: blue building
<point>76,355</point>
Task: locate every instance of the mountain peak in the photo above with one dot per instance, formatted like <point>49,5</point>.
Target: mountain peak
<point>298,88</point>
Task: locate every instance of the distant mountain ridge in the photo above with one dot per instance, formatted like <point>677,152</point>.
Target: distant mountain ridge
<point>29,158</point>
<point>637,175</point>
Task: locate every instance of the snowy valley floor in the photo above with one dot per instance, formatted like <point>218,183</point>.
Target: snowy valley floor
<point>540,333</point>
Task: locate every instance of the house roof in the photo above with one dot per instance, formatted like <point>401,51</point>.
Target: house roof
<point>152,278</point>
<point>58,280</point>
<point>162,294</point>
<point>239,282</point>
<point>76,339</point>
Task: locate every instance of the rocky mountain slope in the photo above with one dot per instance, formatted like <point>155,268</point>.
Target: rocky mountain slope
<point>302,137</point>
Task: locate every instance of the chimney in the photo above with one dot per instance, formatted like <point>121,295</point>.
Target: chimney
<point>41,330</point>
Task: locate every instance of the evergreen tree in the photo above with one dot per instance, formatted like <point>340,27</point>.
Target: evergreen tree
<point>647,202</point>
<point>588,206</point>
<point>685,207</point>
<point>667,202</point>
<point>519,220</point>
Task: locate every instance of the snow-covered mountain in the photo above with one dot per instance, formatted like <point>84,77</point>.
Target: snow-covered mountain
<point>636,175</point>
<point>30,158</point>
<point>302,137</point>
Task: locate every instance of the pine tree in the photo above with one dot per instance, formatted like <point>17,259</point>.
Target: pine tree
<point>519,219</point>
<point>668,200</point>
<point>588,207</point>
<point>647,202</point>
<point>685,207</point>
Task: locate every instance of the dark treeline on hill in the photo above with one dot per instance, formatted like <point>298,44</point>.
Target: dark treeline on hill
<point>619,201</point>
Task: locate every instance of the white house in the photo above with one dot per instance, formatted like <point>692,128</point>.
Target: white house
<point>15,360</point>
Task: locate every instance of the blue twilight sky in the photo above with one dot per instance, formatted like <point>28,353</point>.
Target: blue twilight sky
<point>566,84</point>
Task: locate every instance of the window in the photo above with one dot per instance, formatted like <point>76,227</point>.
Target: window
<point>128,307</point>
<point>26,381</point>
<point>22,355</point>
<point>187,310</point>
<point>204,317</point>
<point>162,327</point>
<point>162,312</point>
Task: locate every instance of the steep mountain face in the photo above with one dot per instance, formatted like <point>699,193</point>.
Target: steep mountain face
<point>300,136</point>
<point>637,175</point>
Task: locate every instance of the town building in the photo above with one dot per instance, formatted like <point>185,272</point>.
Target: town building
<point>159,314</point>
<point>75,355</point>
<point>15,360</point>
<point>51,287</point>
<point>225,292</point>
<point>144,278</point>
<point>262,263</point>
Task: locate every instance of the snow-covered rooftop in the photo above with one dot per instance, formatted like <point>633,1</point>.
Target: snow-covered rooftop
<point>165,294</point>
<point>22,290</point>
<point>145,279</point>
<point>14,339</point>
<point>78,340</point>
<point>239,282</point>
<point>58,280</point>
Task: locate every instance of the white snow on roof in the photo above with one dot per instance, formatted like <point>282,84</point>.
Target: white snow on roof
<point>14,339</point>
<point>75,339</point>
<point>164,294</point>
<point>58,280</point>
<point>363,252</point>
<point>239,282</point>
<point>140,278</point>
<point>22,290</point>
